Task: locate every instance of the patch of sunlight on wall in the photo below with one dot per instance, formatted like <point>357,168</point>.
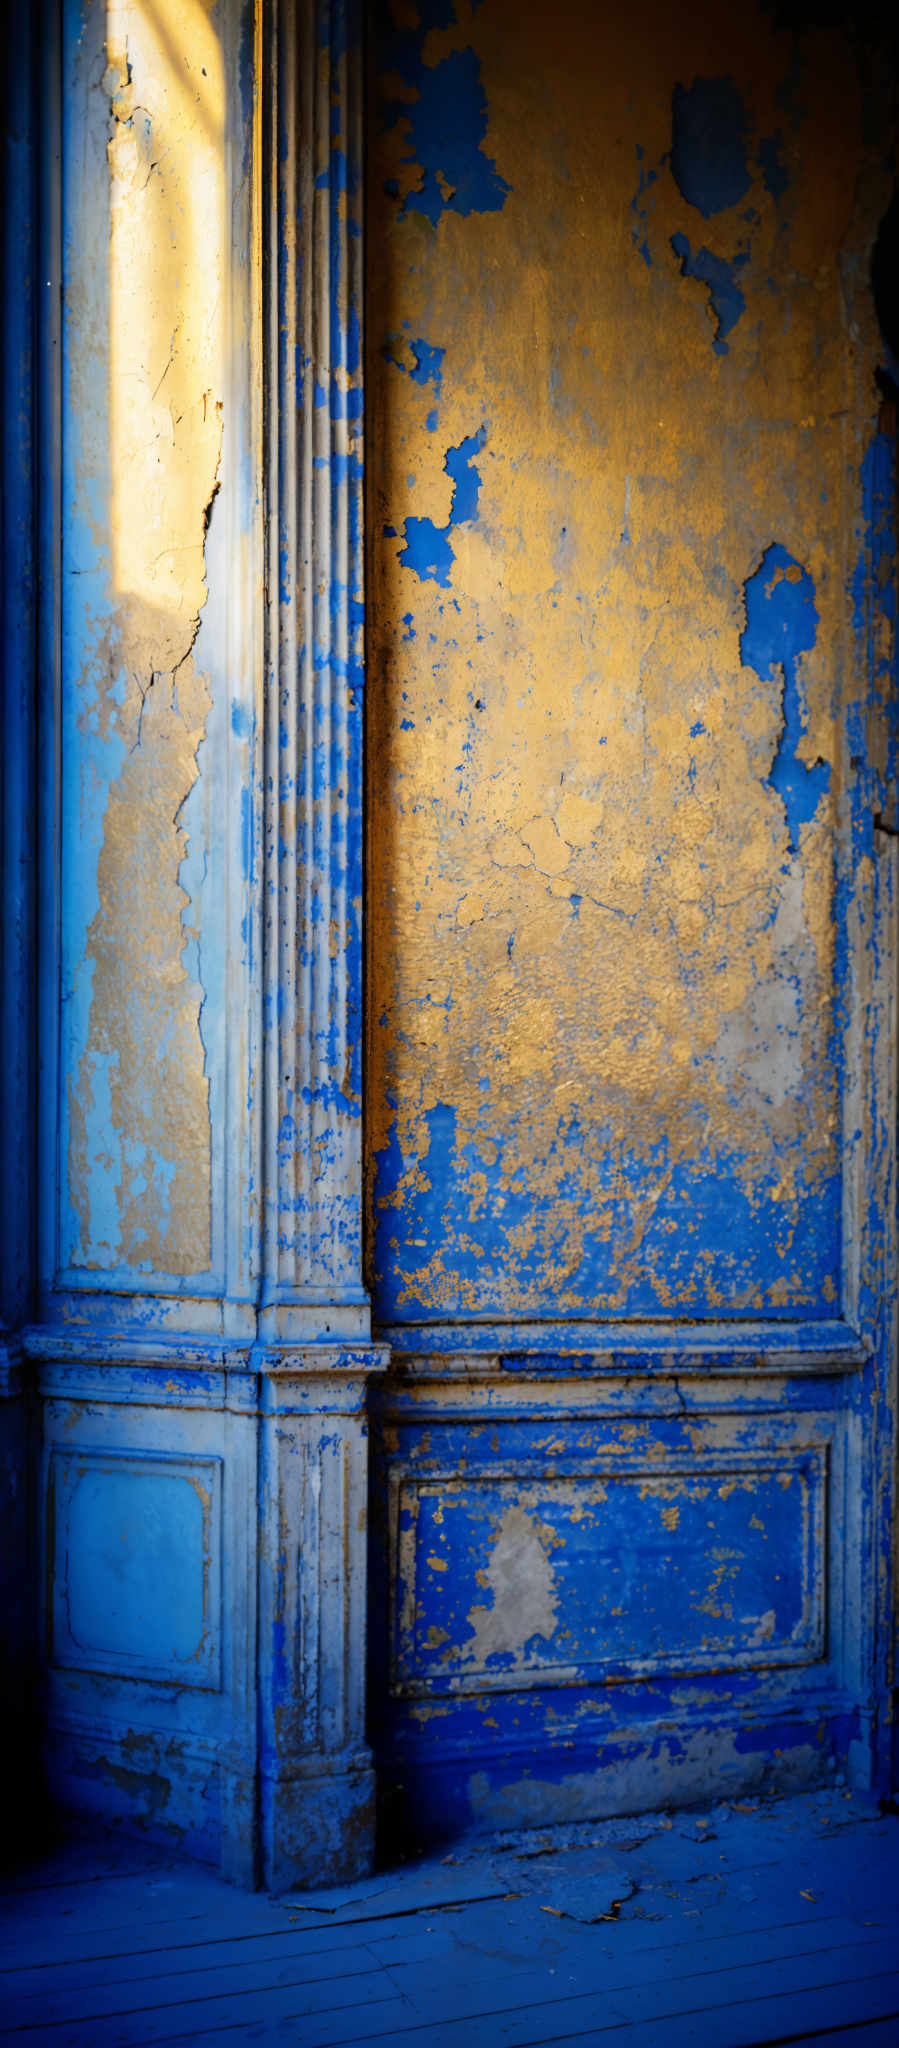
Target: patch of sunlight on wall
<point>167,269</point>
<point>138,1096</point>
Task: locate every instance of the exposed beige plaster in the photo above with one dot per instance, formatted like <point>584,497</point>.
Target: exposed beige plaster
<point>521,1578</point>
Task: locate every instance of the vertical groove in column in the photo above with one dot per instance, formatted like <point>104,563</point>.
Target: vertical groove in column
<point>313,1525</point>
<point>319,597</point>
<point>336,1567</point>
<point>277,668</point>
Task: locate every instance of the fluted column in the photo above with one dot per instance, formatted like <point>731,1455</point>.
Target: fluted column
<point>314,1349</point>
<point>313,1277</point>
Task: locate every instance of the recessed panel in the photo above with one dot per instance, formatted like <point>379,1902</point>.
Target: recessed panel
<point>505,1582</point>
<point>136,1586</point>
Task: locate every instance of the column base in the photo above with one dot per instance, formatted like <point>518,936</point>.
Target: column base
<point>318,1826</point>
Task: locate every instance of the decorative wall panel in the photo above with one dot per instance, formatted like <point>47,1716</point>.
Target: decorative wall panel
<point>135,1563</point>
<point>514,1581</point>
<point>596,1591</point>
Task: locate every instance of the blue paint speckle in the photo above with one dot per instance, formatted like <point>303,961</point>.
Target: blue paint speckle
<point>640,205</point>
<point>428,367</point>
<point>427,360</point>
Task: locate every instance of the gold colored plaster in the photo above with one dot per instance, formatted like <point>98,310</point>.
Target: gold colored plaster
<point>631,480</point>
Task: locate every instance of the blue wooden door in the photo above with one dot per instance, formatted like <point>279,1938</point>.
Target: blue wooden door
<point>631,523</point>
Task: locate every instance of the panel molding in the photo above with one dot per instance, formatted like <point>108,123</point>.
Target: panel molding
<point>152,1374</point>
<point>316,1771</point>
<point>201,1668</point>
<point>542,1744</point>
<point>662,1347</point>
<point>806,1644</point>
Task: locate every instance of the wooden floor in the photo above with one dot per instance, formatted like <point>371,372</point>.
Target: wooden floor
<point>731,1927</point>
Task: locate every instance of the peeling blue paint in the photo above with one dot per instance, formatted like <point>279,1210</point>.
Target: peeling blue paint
<point>447,123</point>
<point>702,1228</point>
<point>725,297</point>
<point>640,205</point>
<point>459,465</point>
<point>781,626</point>
<point>427,551</point>
<point>708,145</point>
<point>427,548</point>
<point>427,365</point>
<point>691,1215</point>
<point>875,597</point>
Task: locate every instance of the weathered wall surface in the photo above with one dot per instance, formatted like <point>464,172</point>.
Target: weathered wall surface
<point>621,366</point>
<point>145,338</point>
<point>631,663</point>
